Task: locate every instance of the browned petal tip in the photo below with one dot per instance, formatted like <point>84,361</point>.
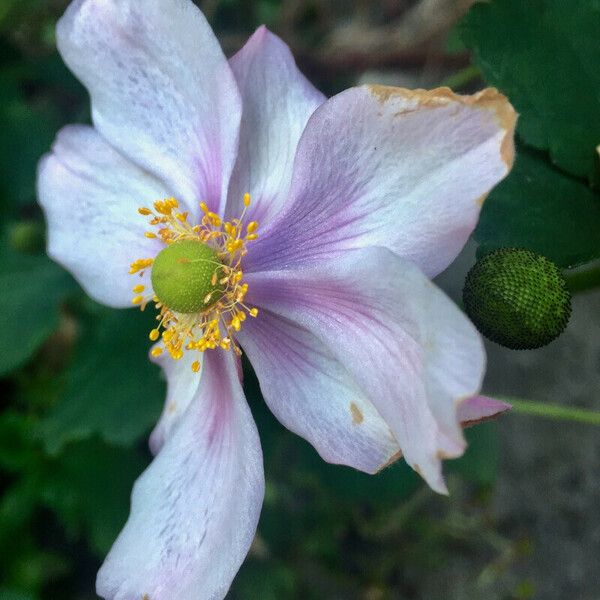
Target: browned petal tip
<point>489,99</point>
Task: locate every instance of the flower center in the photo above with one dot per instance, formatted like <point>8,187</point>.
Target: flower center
<point>183,276</point>
<point>196,278</point>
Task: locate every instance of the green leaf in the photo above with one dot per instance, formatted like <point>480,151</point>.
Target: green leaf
<point>544,55</point>
<point>10,594</point>
<point>112,388</point>
<point>479,464</point>
<point>27,134</point>
<point>89,489</point>
<point>31,289</point>
<point>539,208</point>
<point>16,451</point>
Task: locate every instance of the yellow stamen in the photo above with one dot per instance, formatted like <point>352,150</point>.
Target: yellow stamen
<point>213,327</point>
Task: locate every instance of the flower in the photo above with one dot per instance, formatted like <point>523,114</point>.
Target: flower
<point>321,222</point>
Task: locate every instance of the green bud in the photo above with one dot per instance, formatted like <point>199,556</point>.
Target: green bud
<point>183,274</point>
<point>27,237</point>
<point>517,298</point>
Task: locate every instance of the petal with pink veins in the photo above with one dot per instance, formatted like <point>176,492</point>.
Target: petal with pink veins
<point>314,396</point>
<point>381,166</point>
<point>406,346</point>
<point>277,102</point>
<point>194,511</point>
<point>90,194</point>
<point>161,89</point>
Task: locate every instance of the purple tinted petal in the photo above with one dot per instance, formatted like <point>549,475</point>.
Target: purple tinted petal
<point>407,347</point>
<point>277,102</point>
<point>90,194</point>
<point>403,169</point>
<point>194,511</point>
<point>162,91</point>
<point>480,408</point>
<point>313,395</point>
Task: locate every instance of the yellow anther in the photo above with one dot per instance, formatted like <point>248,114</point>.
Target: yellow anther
<point>218,317</point>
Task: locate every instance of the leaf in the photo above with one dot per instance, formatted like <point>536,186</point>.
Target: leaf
<point>89,489</point>
<point>539,208</point>
<point>544,55</point>
<point>112,388</point>
<point>479,464</point>
<point>27,134</point>
<point>16,452</point>
<point>32,289</point>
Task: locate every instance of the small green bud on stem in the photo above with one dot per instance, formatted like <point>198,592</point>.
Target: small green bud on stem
<point>517,298</point>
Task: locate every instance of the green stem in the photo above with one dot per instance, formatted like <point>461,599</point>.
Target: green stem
<point>583,280</point>
<point>460,79</point>
<point>552,411</point>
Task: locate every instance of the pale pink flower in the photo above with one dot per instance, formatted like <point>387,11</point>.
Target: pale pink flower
<point>361,199</point>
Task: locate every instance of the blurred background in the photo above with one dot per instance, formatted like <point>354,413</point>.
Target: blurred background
<point>78,397</point>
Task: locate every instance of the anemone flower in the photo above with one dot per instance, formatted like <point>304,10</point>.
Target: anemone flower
<point>298,229</point>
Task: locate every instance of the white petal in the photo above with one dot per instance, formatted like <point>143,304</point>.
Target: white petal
<point>277,102</point>
<point>406,345</point>
<point>194,511</point>
<point>181,390</point>
<point>403,169</point>
<point>162,91</point>
<point>90,194</point>
<point>313,395</point>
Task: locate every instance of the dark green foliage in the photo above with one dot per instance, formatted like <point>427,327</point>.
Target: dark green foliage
<point>539,208</point>
<point>544,54</point>
<point>517,298</point>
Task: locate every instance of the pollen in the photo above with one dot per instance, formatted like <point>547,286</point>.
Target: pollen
<point>197,279</point>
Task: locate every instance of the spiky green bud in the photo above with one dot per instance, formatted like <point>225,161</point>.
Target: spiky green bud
<point>517,298</point>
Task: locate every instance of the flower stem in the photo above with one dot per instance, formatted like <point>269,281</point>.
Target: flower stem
<point>462,78</point>
<point>583,280</point>
<point>552,411</point>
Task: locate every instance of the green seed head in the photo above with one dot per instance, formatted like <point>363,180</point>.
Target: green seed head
<point>182,276</point>
<point>517,298</point>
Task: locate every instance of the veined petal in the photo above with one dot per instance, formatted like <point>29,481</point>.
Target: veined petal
<point>379,166</point>
<point>194,511</point>
<point>480,408</point>
<point>313,395</point>
<point>277,102</point>
<point>406,345</point>
<point>90,194</point>
<point>162,91</point>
